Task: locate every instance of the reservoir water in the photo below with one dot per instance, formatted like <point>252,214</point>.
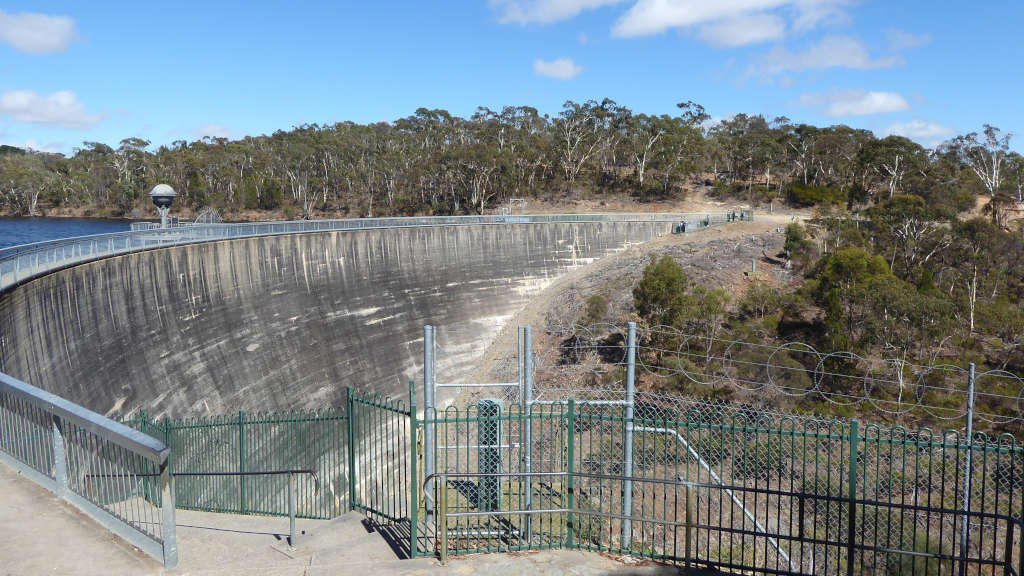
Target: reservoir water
<point>15,231</point>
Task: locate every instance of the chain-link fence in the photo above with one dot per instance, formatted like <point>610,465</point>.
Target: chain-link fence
<point>766,489</point>
<point>813,498</point>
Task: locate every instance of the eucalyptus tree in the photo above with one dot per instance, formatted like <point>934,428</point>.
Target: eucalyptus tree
<point>891,158</point>
<point>578,131</point>
<point>985,154</point>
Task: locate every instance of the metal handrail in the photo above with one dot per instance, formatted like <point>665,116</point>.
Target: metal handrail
<point>107,429</point>
<point>316,477</point>
<point>291,486</point>
<point>62,431</point>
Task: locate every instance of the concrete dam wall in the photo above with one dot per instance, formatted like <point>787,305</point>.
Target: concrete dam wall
<point>281,322</point>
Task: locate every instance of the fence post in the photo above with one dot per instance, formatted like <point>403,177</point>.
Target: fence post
<point>350,434</point>
<point>627,450</point>
<point>570,477</point>
<point>443,546</point>
<point>689,526</point>
<point>528,426</point>
<point>291,510</point>
<point>60,467</point>
<point>414,498</point>
<point>1020,551</point>
<point>167,505</point>
<point>241,461</point>
<point>852,489</point>
<point>428,407</point>
<point>964,532</point>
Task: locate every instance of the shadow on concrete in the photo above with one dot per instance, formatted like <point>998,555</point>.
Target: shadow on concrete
<point>396,535</point>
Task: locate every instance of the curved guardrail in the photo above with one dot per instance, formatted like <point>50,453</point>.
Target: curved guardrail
<point>116,475</point>
<point>19,264</point>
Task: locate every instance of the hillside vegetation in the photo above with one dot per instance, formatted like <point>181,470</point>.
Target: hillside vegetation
<point>435,163</point>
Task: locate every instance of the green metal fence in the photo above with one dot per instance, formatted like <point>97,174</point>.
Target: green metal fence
<point>744,492</point>
<point>305,439</point>
<point>371,431</point>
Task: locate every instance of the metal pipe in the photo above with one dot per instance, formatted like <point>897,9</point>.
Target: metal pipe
<point>964,528</point>
<point>627,450</point>
<point>429,413</point>
<point>477,446</point>
<point>566,402</point>
<point>528,424</point>
<point>86,420</point>
<point>482,385</point>
<point>707,467</point>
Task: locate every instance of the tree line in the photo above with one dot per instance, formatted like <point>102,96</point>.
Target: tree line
<point>433,162</point>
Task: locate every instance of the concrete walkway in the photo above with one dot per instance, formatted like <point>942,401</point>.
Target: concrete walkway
<point>40,534</point>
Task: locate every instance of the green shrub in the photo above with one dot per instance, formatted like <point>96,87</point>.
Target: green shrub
<point>803,195</point>
<point>597,309</point>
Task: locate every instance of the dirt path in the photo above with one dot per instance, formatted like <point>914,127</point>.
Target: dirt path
<point>536,312</point>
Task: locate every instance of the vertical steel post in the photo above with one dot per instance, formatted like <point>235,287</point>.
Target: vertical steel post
<point>443,546</point>
<point>414,498</point>
<point>852,493</point>
<point>169,536</point>
<point>519,357</point>
<point>429,412</point>
<point>60,466</point>
<point>689,527</point>
<point>291,510</point>
<point>528,426</point>
<point>241,461</point>
<point>350,433</point>
<point>570,479</point>
<point>964,532</point>
<point>627,450</point>
<point>1020,552</point>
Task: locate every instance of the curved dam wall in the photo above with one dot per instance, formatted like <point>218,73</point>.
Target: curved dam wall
<point>283,322</point>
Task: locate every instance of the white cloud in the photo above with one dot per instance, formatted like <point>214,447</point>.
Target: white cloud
<point>31,144</point>
<point>724,23</point>
<point>36,33</point>
<point>544,11</point>
<point>213,131</point>
<point>743,30</point>
<point>900,40</point>
<point>58,109</point>
<point>831,52</point>
<point>650,17</point>
<point>811,14</point>
<point>710,123</point>
<point>924,132</point>
<point>855,103</point>
<point>562,68</point>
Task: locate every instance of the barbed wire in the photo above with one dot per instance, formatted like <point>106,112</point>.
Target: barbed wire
<point>795,371</point>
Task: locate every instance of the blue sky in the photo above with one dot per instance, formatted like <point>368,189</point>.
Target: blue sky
<point>102,71</point>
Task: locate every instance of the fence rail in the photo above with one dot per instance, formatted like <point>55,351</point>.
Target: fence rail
<point>116,475</point>
<point>214,455</point>
<point>732,493</point>
<point>21,263</point>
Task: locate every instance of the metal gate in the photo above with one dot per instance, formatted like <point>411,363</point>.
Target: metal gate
<point>379,456</point>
